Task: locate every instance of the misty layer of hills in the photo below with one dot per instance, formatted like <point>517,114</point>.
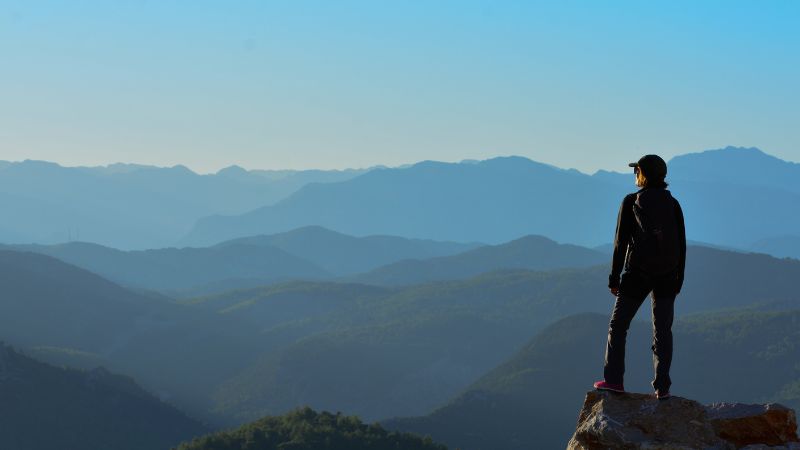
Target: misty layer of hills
<point>420,345</point>
<point>131,206</point>
<point>492,201</point>
<point>378,352</point>
<point>467,324</point>
<point>312,253</point>
<point>734,197</point>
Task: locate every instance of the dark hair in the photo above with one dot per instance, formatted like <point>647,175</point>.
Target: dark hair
<point>655,183</point>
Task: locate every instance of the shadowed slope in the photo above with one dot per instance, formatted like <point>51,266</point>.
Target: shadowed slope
<point>45,407</point>
<point>532,399</point>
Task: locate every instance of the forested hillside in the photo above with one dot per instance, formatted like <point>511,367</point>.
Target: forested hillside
<point>44,407</point>
<point>305,429</point>
<point>377,352</point>
<point>532,399</point>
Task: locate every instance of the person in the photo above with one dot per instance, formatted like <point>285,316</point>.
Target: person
<point>650,243</point>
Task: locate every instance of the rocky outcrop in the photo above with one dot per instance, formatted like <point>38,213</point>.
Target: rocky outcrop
<point>638,421</point>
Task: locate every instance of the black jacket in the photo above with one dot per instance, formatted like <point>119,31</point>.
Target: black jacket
<point>625,248</point>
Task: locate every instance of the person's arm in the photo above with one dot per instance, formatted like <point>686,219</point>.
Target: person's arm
<point>682,244</point>
<point>622,238</point>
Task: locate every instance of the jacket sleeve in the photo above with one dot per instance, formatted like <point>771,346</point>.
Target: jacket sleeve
<point>681,243</point>
<point>622,238</point>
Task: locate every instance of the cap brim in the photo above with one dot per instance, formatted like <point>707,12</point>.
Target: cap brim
<point>636,164</point>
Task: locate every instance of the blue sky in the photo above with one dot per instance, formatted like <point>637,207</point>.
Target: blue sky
<point>332,84</point>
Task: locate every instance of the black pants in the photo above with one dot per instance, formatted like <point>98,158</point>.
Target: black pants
<point>633,290</point>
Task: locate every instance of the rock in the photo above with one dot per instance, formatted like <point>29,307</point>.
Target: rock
<point>638,421</point>
<point>770,424</point>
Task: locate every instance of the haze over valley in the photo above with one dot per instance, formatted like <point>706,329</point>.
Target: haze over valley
<point>420,330</point>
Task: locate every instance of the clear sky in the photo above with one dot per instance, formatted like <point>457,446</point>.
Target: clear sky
<point>333,84</point>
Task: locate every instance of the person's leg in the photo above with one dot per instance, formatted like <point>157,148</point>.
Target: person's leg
<point>632,293</point>
<point>663,312</point>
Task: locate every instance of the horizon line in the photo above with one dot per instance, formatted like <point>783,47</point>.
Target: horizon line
<point>348,169</point>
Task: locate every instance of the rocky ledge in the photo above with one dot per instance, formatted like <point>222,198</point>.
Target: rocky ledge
<point>637,421</point>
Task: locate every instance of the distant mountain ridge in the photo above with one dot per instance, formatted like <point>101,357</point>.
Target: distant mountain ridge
<point>132,206</point>
<point>737,165</point>
<point>779,246</point>
<point>499,199</point>
<point>490,201</point>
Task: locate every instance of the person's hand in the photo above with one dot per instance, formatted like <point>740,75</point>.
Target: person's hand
<point>614,291</point>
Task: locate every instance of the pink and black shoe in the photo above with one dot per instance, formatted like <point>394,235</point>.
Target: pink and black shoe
<point>662,395</point>
<point>603,386</point>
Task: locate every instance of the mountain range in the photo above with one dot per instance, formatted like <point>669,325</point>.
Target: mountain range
<point>374,351</point>
<point>490,201</point>
<point>385,350</point>
<point>437,306</point>
<point>309,253</point>
<point>318,254</point>
<point>130,206</point>
<point>500,199</point>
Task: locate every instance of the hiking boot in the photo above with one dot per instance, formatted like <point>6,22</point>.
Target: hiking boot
<point>662,395</point>
<point>603,386</point>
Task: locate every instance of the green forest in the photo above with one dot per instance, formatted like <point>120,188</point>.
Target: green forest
<point>305,429</point>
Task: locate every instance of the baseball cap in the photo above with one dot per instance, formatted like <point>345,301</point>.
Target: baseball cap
<point>652,166</point>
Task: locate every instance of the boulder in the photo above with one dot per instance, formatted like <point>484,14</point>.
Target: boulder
<point>611,420</point>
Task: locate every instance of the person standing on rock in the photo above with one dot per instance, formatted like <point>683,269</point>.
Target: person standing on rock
<point>650,244</point>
